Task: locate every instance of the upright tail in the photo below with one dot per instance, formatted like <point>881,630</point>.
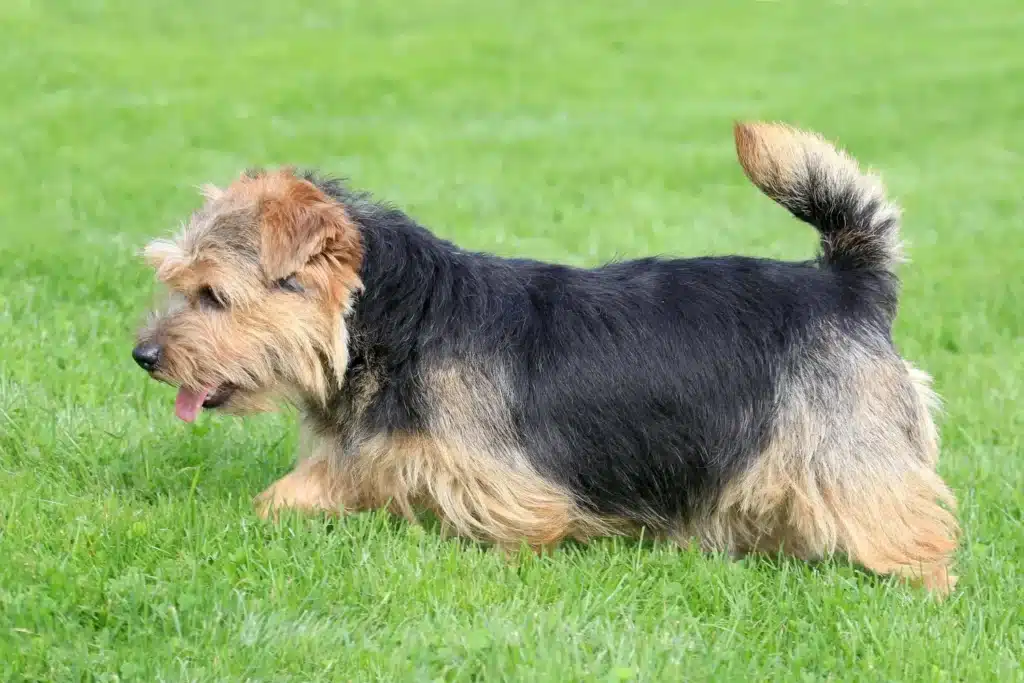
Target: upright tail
<point>823,186</point>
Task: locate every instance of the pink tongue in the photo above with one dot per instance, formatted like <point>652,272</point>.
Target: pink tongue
<point>188,403</point>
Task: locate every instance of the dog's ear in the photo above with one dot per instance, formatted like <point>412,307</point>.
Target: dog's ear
<point>166,258</point>
<point>301,226</point>
<point>211,192</point>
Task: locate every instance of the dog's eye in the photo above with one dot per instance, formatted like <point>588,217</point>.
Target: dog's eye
<point>209,298</point>
<point>290,284</point>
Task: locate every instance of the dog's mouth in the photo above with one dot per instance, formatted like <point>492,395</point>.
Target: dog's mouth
<point>189,402</point>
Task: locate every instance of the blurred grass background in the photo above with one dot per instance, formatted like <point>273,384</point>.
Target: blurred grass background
<point>575,132</point>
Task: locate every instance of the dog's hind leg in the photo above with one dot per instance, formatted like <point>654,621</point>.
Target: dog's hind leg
<point>853,476</point>
<point>901,529</point>
<point>895,525</point>
<point>901,522</point>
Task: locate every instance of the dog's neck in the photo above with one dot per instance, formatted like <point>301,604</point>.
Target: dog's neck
<point>406,291</point>
<point>409,291</point>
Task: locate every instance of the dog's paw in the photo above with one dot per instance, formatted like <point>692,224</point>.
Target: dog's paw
<point>295,491</point>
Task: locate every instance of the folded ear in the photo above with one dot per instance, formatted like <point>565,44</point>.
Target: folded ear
<point>165,257</point>
<point>210,192</point>
<point>301,224</point>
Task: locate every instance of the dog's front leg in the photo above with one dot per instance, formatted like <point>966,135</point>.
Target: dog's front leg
<point>314,486</point>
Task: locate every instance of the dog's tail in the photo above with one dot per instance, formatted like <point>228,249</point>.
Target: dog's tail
<point>823,186</point>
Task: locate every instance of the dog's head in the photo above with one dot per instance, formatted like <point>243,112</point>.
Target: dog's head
<point>258,286</point>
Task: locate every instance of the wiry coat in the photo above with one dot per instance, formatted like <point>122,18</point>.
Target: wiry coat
<point>754,404</point>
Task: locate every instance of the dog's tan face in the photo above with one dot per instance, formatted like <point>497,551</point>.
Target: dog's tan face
<point>258,286</point>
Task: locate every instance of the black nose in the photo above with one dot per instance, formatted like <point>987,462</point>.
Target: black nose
<point>147,356</point>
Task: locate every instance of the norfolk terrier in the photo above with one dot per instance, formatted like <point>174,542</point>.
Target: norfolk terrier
<point>753,405</point>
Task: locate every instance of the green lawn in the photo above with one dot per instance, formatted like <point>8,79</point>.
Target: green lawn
<point>567,131</point>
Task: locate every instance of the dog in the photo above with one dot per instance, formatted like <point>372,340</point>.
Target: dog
<point>751,405</point>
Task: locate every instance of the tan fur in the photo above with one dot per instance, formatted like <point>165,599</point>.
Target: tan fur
<point>265,342</point>
<point>771,154</point>
<point>465,469</point>
<point>849,471</point>
<point>311,487</point>
<point>472,494</point>
<point>777,158</point>
<point>210,192</point>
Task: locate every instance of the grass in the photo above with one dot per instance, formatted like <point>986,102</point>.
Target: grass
<point>566,131</point>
